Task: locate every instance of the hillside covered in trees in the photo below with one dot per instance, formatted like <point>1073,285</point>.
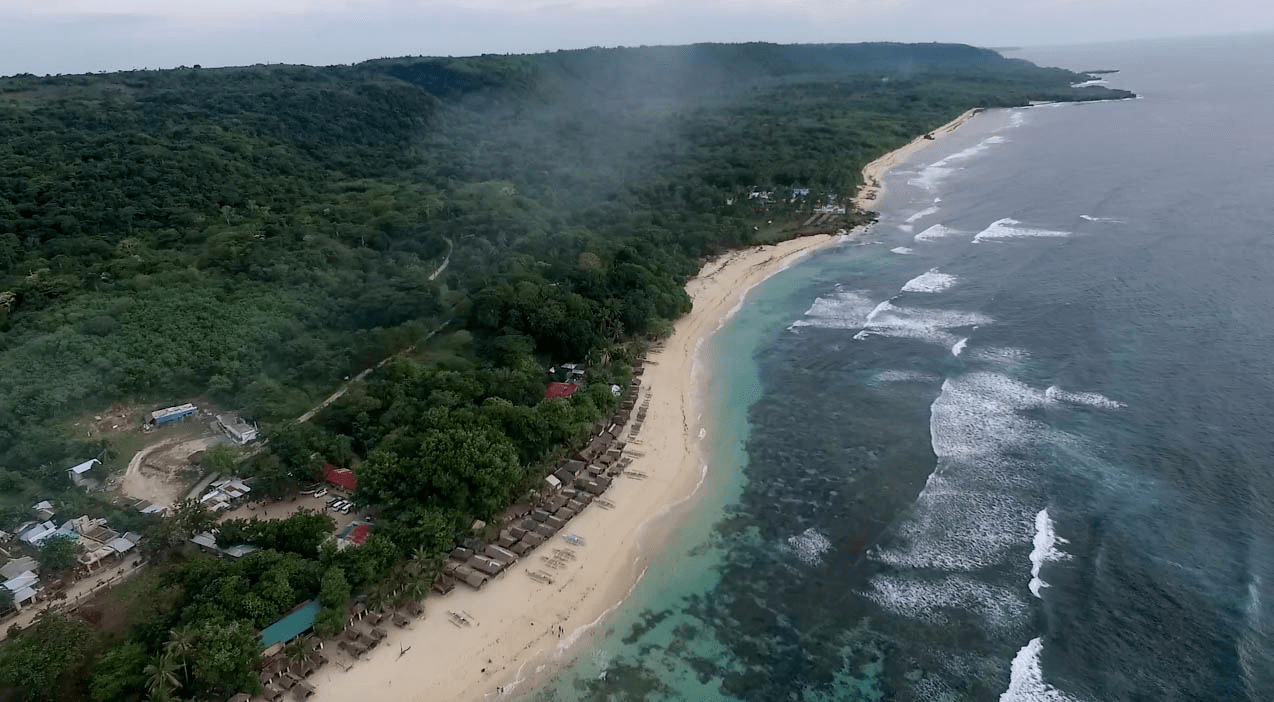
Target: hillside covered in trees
<point>257,234</point>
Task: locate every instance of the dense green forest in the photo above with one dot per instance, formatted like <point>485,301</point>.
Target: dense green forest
<point>255,235</point>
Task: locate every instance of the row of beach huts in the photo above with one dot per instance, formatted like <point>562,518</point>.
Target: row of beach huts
<point>575,483</point>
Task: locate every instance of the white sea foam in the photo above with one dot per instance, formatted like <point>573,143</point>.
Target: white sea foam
<point>841,310</point>
<point>1007,229</point>
<point>906,228</point>
<point>978,414</point>
<point>1045,549</point>
<point>921,214</point>
<point>1110,220</point>
<point>932,175</point>
<point>1002,355</point>
<point>1026,680</point>
<point>955,528</point>
<point>1017,118</point>
<point>937,231</point>
<point>918,323</point>
<point>1089,83</point>
<point>809,546</point>
<point>958,347</point>
<point>900,376</point>
<point>1091,399</point>
<point>902,250</point>
<point>930,282</point>
<point>928,599</point>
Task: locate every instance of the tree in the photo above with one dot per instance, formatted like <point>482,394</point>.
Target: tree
<point>36,662</point>
<point>188,517</point>
<point>181,645</point>
<point>120,673</point>
<point>227,659</point>
<point>454,466</point>
<point>59,554</point>
<point>335,590</point>
<point>161,677</point>
<point>219,459</point>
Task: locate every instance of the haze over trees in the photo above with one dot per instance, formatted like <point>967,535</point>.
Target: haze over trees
<point>258,234</point>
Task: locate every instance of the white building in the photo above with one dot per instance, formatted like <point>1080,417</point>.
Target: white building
<point>237,429</point>
<point>77,473</point>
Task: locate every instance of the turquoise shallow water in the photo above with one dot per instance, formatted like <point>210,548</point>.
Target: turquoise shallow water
<point>1016,446</point>
<point>653,624</point>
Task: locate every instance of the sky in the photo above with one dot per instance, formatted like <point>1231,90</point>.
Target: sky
<point>80,36</point>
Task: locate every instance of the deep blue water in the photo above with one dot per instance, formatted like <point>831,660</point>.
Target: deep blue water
<point>1018,446</point>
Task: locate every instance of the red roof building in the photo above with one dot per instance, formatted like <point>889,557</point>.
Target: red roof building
<point>560,390</point>
<point>341,477</point>
<point>358,536</point>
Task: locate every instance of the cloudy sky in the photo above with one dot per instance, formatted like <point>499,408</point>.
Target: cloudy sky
<point>75,36</point>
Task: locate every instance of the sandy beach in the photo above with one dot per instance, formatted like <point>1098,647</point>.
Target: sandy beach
<point>521,631</point>
<point>522,628</point>
<point>874,172</point>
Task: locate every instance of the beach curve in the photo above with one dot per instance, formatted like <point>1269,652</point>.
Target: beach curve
<point>521,631</point>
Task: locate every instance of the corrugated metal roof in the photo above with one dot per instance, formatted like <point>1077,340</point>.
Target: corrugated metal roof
<point>84,467</point>
<point>291,626</point>
<point>120,545</point>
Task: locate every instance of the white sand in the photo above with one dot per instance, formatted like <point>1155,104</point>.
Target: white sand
<point>874,172</point>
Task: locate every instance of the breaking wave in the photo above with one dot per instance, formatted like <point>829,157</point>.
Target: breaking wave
<point>918,323</point>
<point>1026,680</point>
<point>1007,229</point>
<point>841,310</point>
<point>1045,549</point>
<point>937,231</point>
<point>930,282</point>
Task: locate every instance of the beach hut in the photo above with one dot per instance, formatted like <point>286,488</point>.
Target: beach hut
<point>500,555</point>
<point>533,538</point>
<point>521,548</point>
<point>565,513</point>
<point>444,585</point>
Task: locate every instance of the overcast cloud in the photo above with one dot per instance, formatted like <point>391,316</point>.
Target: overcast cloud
<point>76,36</point>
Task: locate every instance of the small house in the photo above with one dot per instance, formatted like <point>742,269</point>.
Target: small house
<point>35,534</point>
<point>43,510</point>
<point>238,430</point>
<point>564,390</point>
<point>79,474</point>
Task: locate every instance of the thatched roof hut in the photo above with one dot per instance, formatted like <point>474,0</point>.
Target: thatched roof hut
<point>534,538</point>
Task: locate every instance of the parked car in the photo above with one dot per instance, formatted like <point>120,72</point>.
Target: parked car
<point>321,492</point>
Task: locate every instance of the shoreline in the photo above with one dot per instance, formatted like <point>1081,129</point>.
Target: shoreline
<point>523,629</point>
<point>521,632</point>
<point>874,172</point>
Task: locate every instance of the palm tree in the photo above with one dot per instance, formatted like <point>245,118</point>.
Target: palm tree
<point>181,644</point>
<point>161,678</point>
<point>299,651</point>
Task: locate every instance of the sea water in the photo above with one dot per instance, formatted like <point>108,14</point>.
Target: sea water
<point>1016,443</point>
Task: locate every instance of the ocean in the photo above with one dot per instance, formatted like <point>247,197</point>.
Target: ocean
<point>1015,443</point>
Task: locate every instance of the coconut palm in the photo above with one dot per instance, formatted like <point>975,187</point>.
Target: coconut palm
<point>181,644</point>
<point>299,651</point>
<point>161,678</point>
